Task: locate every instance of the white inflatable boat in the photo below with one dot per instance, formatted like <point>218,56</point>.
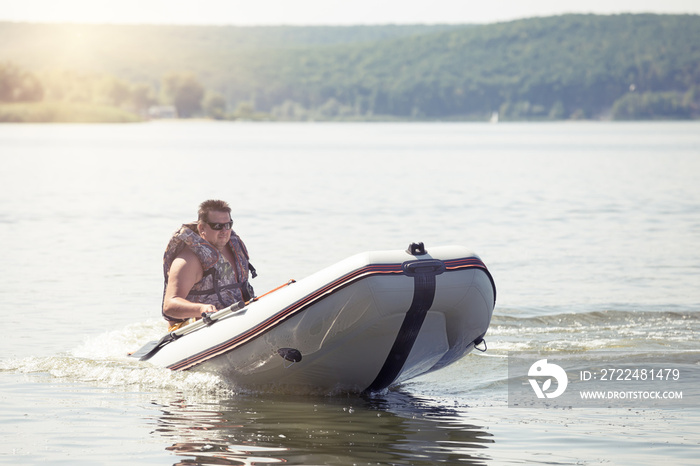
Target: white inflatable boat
<point>373,320</point>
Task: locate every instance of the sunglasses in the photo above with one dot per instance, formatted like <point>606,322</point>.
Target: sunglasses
<point>220,226</point>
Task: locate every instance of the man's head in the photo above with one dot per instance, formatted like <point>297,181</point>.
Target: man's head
<point>206,207</point>
<point>214,222</point>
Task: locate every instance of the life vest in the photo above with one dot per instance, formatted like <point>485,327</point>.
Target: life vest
<point>223,283</point>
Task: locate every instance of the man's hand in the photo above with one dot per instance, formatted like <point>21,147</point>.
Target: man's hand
<point>208,309</point>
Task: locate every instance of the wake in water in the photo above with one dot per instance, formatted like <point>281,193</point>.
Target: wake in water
<point>103,359</point>
<point>670,332</point>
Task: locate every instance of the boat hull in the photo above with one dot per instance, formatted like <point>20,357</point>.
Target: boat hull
<point>371,321</point>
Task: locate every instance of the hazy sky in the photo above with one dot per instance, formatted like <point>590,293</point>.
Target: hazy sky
<point>313,12</point>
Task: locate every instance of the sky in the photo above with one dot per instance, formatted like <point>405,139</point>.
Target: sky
<point>319,12</point>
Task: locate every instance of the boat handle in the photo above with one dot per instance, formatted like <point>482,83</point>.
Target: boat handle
<point>424,267</point>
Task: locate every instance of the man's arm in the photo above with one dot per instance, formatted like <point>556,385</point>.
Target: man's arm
<point>185,271</point>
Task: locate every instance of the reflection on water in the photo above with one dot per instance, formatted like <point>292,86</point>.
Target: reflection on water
<point>395,428</point>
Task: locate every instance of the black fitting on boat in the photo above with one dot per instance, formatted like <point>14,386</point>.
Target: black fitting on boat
<point>479,341</point>
<point>206,318</point>
<point>423,267</point>
<point>290,354</point>
<point>416,249</point>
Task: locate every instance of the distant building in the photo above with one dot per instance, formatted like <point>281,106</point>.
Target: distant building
<point>162,111</point>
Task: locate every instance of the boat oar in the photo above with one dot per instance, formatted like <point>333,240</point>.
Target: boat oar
<point>151,348</point>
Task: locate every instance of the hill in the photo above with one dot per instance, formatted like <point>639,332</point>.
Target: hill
<point>571,66</point>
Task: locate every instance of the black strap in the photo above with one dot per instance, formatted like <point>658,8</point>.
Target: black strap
<point>423,295</point>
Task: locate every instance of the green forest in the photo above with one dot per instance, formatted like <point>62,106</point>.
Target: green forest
<point>622,67</point>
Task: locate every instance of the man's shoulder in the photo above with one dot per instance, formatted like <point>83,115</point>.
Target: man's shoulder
<point>186,266</point>
<point>189,258</point>
<point>188,254</point>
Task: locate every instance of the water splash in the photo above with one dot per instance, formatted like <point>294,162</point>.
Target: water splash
<point>103,360</point>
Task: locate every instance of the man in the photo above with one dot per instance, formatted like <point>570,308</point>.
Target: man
<point>205,266</point>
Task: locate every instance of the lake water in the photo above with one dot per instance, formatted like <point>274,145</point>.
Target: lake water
<point>591,231</point>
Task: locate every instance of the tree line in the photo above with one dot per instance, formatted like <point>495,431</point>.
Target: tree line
<point>182,90</point>
<point>564,67</point>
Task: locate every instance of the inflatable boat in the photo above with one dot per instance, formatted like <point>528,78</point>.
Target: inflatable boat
<point>368,322</point>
